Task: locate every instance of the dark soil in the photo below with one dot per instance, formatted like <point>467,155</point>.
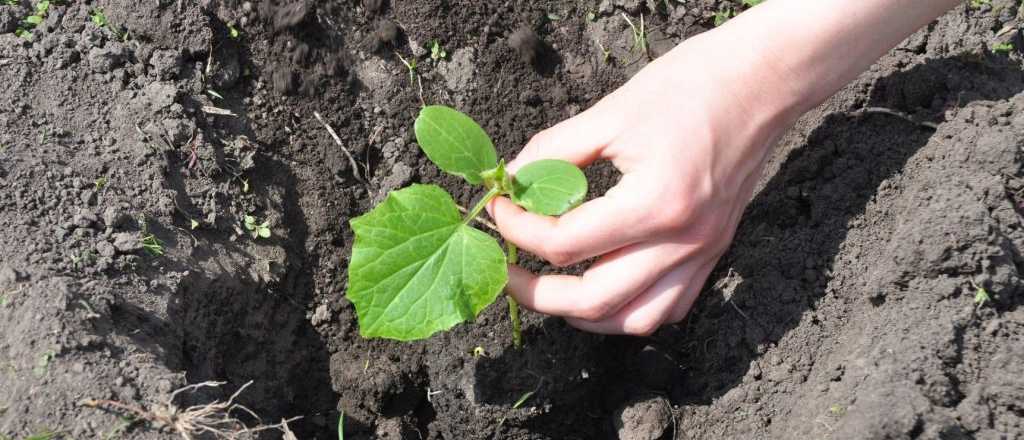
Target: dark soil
<point>845,308</point>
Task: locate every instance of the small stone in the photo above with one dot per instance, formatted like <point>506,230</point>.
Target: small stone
<point>85,219</point>
<point>526,43</point>
<point>115,217</point>
<point>104,248</point>
<point>8,276</point>
<point>645,418</point>
<point>88,197</point>
<point>321,315</point>
<point>127,242</point>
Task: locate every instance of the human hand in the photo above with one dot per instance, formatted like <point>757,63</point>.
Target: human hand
<point>689,133</point>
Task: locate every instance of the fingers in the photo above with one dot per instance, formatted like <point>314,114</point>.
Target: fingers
<point>580,139</point>
<point>668,300</point>
<point>603,289</point>
<point>619,218</point>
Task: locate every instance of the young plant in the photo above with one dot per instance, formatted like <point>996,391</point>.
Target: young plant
<point>152,245</point>
<point>30,22</point>
<point>1002,48</point>
<point>258,230</point>
<point>417,265</point>
<point>639,35</point>
<point>437,53</point>
<point>99,18</point>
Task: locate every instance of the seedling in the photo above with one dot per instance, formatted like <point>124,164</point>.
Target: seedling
<point>98,18</point>
<point>837,410</point>
<point>193,224</point>
<point>30,22</point>
<point>437,53</point>
<point>152,245</point>
<point>101,182</point>
<point>981,296</point>
<point>233,32</point>
<point>977,4</point>
<point>1003,48</point>
<point>43,363</point>
<point>258,230</point>
<point>752,3</point>
<point>409,64</point>
<point>417,266</point>
<point>639,35</point>
<point>606,54</point>
<point>479,351</point>
<point>723,15</point>
<point>341,426</point>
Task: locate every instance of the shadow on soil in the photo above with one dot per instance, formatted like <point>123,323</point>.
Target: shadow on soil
<point>775,271</point>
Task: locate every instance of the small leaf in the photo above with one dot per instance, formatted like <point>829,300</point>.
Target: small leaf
<point>455,142</point>
<point>549,187</point>
<point>194,224</point>
<point>522,399</point>
<point>33,19</point>
<point>341,426</point>
<point>264,232</point>
<point>417,269</point>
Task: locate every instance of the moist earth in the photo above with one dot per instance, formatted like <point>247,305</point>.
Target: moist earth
<point>130,155</point>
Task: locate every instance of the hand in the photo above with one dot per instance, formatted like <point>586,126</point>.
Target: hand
<point>689,133</point>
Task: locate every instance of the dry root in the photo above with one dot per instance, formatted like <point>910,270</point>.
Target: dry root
<point>214,418</point>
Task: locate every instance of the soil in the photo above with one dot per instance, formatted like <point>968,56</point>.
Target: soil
<point>844,309</point>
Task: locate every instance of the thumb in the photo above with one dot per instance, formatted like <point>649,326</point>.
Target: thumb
<point>580,140</point>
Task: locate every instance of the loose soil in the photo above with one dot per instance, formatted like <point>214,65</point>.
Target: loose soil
<point>844,309</point>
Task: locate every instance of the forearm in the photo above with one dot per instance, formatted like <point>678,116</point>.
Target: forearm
<point>811,49</point>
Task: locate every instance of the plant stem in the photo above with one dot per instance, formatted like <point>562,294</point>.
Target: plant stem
<point>491,194</point>
<point>513,306</point>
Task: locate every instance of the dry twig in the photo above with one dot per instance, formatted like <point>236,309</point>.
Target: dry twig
<point>337,140</point>
<point>213,419</point>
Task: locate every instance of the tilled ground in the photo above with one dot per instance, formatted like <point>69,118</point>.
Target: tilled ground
<point>845,308</point>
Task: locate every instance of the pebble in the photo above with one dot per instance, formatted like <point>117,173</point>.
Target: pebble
<point>643,419</point>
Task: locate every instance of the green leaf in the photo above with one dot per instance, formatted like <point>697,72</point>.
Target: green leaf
<point>341,426</point>
<point>549,187</point>
<point>264,232</point>
<point>417,268</point>
<point>455,142</point>
<point>34,20</point>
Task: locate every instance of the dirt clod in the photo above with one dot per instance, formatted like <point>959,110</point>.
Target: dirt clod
<point>525,42</point>
<point>643,418</point>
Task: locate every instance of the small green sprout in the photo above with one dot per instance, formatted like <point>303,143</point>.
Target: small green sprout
<point>99,18</point>
<point>639,35</point>
<point>152,245</point>
<point>214,94</point>
<point>101,182</point>
<point>233,32</point>
<point>341,425</point>
<point>837,410</point>
<point>522,399</point>
<point>479,351</point>
<point>752,3</point>
<point>605,53</point>
<point>258,230</point>
<point>437,53</point>
<point>1003,48</point>
<point>245,186</point>
<point>551,16</point>
<point>43,363</point>
<point>723,15</point>
<point>193,224</point>
<point>410,64</point>
<point>45,434</point>
<point>591,16</point>
<point>981,296</point>
<point>977,4</point>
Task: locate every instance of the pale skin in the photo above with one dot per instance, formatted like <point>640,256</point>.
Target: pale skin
<point>690,134</point>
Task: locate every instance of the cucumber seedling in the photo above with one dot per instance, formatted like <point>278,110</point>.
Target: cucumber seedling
<point>417,265</point>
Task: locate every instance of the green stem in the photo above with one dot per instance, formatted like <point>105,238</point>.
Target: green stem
<point>491,194</point>
<point>513,306</point>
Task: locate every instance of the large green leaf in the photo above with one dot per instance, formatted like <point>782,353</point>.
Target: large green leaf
<point>417,269</point>
<point>455,142</point>
<point>549,187</point>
